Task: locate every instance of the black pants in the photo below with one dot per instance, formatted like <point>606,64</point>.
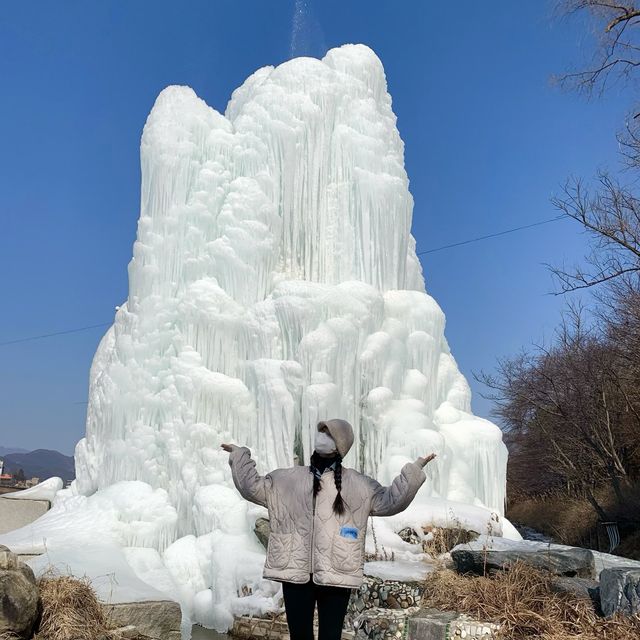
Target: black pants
<point>300,601</point>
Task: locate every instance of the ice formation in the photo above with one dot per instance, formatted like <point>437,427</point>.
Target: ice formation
<point>274,282</point>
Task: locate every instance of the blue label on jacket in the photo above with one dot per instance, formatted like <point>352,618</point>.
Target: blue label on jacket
<point>348,532</point>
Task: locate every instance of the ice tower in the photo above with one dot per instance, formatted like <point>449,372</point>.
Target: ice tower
<point>274,282</point>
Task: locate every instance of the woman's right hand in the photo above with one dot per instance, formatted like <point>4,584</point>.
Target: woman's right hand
<point>425,461</point>
<point>228,447</point>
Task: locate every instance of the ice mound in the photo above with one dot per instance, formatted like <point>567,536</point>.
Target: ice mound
<point>274,282</point>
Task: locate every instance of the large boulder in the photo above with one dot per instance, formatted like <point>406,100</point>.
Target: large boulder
<point>620,591</point>
<point>570,562</point>
<point>581,588</point>
<point>155,619</point>
<point>18,595</point>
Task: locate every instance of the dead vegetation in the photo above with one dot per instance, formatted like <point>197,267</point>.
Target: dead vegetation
<point>522,601</point>
<point>71,611</point>
<point>572,520</point>
<point>443,539</point>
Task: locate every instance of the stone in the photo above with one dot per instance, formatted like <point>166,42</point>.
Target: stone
<point>262,530</point>
<point>573,562</point>
<point>381,624</point>
<point>620,591</point>
<point>159,619</point>
<point>129,631</point>
<point>409,535</point>
<point>18,596</point>
<point>429,624</point>
<point>18,513</point>
<point>583,588</point>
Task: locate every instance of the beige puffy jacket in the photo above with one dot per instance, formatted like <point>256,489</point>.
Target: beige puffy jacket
<point>305,533</point>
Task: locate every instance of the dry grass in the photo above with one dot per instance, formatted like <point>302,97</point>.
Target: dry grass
<point>574,521</point>
<point>71,611</point>
<point>522,601</point>
<point>567,520</point>
<point>443,539</point>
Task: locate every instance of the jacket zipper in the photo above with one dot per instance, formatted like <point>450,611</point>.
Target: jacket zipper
<point>313,537</point>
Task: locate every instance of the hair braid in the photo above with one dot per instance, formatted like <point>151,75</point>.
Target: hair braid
<point>316,481</point>
<point>338,504</point>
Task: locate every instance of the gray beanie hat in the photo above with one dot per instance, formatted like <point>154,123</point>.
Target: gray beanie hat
<point>341,431</point>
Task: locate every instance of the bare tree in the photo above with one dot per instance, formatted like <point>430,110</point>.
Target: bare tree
<point>617,51</point>
<point>570,408</point>
<point>611,216</point>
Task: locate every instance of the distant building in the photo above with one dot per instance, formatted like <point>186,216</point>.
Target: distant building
<point>32,482</point>
<point>1,466</point>
<point>7,480</point>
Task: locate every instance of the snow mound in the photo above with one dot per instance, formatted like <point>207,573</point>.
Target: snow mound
<point>45,490</point>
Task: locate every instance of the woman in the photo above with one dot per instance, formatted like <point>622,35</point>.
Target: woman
<point>318,519</point>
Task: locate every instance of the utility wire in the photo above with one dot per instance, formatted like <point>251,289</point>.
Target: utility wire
<point>57,333</point>
<point>491,235</point>
<point>420,253</point>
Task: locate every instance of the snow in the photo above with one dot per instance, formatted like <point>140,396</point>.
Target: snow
<point>106,566</point>
<point>402,570</point>
<point>45,490</point>
<point>274,282</point>
<point>128,513</point>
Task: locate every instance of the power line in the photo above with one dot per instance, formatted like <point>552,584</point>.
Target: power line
<point>420,253</point>
<point>491,235</point>
<point>57,333</point>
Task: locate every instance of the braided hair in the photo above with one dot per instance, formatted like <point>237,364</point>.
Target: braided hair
<point>338,504</point>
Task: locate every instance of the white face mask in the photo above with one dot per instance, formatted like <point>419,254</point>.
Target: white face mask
<point>324,444</point>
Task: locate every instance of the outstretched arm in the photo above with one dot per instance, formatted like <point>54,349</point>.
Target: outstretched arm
<point>250,484</point>
<point>387,501</point>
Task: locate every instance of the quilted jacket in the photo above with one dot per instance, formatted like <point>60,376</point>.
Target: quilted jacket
<point>306,537</point>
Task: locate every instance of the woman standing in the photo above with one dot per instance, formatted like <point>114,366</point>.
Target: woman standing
<point>318,518</point>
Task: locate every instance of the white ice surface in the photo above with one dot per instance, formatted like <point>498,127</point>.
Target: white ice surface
<point>127,513</point>
<point>45,490</point>
<point>106,566</point>
<point>398,569</point>
<point>274,282</point>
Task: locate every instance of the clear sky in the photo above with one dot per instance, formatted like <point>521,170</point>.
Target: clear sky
<point>488,142</point>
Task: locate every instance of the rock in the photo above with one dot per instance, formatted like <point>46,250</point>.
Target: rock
<point>430,624</point>
<point>127,632</point>
<point>583,588</point>
<point>18,513</point>
<point>262,530</point>
<point>381,624</point>
<point>620,591</point>
<point>433,624</point>
<point>409,535</point>
<point>18,596</point>
<point>157,619</point>
<point>573,562</point>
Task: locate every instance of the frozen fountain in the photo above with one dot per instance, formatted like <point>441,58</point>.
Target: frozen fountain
<point>274,283</point>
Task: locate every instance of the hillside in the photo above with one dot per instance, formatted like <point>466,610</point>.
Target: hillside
<point>43,463</point>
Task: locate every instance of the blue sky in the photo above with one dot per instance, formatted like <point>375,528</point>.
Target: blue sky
<point>488,141</point>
